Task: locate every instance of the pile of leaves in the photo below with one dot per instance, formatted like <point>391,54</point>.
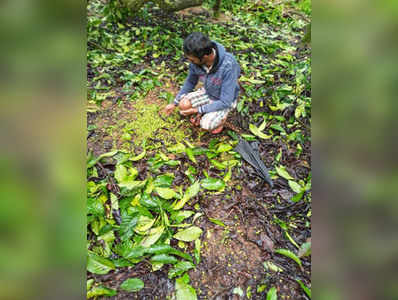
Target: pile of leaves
<point>146,208</point>
<point>137,212</point>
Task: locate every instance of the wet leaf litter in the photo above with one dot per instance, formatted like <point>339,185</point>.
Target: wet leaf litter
<point>185,215</point>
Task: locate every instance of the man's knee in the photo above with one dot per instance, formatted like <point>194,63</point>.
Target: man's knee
<point>205,123</point>
<point>210,121</point>
<point>185,104</point>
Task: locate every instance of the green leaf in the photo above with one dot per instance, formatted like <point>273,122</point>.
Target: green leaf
<point>133,252</point>
<point>120,173</point>
<point>127,226</point>
<point>133,185</point>
<point>305,249</point>
<point>279,106</point>
<point>217,164</point>
<point>180,216</point>
<point>199,151</point>
<point>180,268</point>
<point>139,156</point>
<point>297,197</point>
<point>164,259</point>
<point>192,191</point>
<point>99,265</point>
<point>150,186</point>
<point>167,249</point>
<point>227,176</point>
<point>231,163</point>
<point>189,144</point>
<point>121,262</point>
<point>114,202</point>
<point>133,174</point>
<point>108,237</point>
<point>281,170</point>
<point>291,239</point>
<point>144,224</point>
<point>162,156</point>
<point>257,132</point>
<point>213,184</point>
<point>213,143</point>
<point>178,148</point>
<point>190,155</point>
<point>126,136</point>
<point>89,284</point>
<point>197,250</point>
<point>172,163</point>
<point>108,154</point>
<point>272,295</point>
<point>156,266</point>
<point>304,287</point>
<point>92,162</point>
<point>148,201</point>
<point>261,288</point>
<point>218,222</point>
<point>164,180</point>
<point>152,237</point>
<point>295,186</point>
<point>300,110</point>
<point>248,137</point>
<point>289,254</point>
<point>189,234</point>
<point>132,285</point>
<point>165,193</point>
<point>184,291</point>
<point>249,292</point>
<point>270,266</point>
<point>223,148</point>
<point>101,291</point>
<point>95,207</point>
<point>277,127</point>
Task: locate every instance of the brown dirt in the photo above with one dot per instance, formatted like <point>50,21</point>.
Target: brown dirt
<point>112,115</point>
<point>228,259</point>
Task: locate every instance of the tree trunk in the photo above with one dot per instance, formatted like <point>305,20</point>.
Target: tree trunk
<point>176,5</point>
<point>166,5</point>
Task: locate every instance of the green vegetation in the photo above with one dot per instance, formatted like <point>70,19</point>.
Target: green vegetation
<point>146,187</point>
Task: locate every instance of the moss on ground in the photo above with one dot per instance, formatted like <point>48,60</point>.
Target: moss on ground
<point>126,124</point>
<point>149,123</point>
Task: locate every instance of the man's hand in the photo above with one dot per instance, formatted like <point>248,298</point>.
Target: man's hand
<point>189,111</point>
<point>169,109</point>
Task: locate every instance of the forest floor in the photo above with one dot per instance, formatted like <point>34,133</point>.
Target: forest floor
<point>133,72</point>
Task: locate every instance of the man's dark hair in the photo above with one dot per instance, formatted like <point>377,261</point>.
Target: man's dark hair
<point>198,45</point>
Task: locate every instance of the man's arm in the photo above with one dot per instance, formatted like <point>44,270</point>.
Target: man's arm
<point>227,95</point>
<point>188,86</point>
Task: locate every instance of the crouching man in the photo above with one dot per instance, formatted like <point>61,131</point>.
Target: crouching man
<point>219,72</point>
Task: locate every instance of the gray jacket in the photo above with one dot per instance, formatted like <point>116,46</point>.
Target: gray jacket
<point>221,83</point>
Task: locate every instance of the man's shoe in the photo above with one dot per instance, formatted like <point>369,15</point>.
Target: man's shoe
<point>217,130</point>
